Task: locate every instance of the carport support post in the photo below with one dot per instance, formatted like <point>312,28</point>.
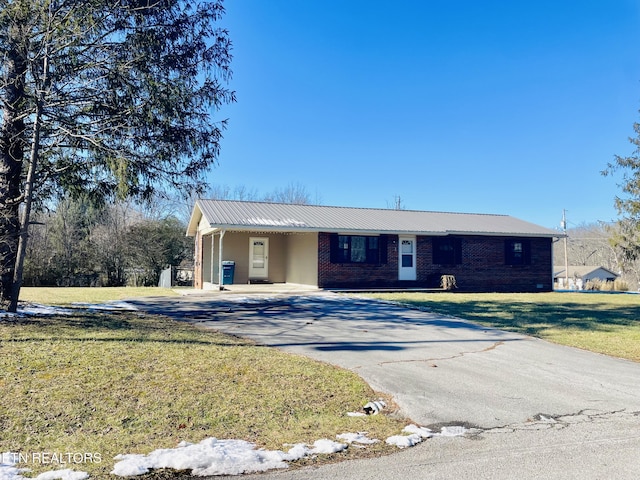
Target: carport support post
<point>222,232</point>
<point>213,254</point>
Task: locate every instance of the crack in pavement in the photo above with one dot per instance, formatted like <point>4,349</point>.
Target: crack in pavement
<point>543,421</point>
<point>436,359</point>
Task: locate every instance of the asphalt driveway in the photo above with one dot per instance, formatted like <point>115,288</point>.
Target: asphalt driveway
<point>439,370</point>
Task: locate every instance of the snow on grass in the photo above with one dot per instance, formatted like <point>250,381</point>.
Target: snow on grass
<point>404,441</point>
<point>65,474</point>
<point>219,457</point>
<point>356,414</point>
<point>35,310</point>
<point>109,306</point>
<point>418,434</point>
<point>9,471</point>
<point>360,437</point>
<point>234,457</point>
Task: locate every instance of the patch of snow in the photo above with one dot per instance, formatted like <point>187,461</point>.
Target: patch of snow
<point>37,310</point>
<point>229,457</point>
<point>33,309</point>
<point>109,306</point>
<point>9,471</point>
<point>325,446</point>
<point>424,432</point>
<point>219,457</point>
<point>404,441</point>
<point>209,457</point>
<point>417,434</point>
<point>360,437</point>
<point>66,474</point>
<point>452,431</point>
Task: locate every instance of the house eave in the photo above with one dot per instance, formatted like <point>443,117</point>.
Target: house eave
<point>194,220</point>
<point>289,230</point>
<point>503,234</point>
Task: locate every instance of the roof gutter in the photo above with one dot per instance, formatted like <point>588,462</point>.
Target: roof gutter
<point>345,231</point>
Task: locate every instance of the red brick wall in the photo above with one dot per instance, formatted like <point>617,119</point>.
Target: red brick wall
<point>482,269</point>
<point>352,274</point>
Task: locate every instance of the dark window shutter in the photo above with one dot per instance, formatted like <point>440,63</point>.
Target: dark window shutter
<point>526,247</point>
<point>457,248</point>
<point>335,251</point>
<point>508,252</point>
<point>384,242</point>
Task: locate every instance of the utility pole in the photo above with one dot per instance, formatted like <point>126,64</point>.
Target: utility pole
<point>563,224</point>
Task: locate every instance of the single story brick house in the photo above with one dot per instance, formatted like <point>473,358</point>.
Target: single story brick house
<point>339,247</point>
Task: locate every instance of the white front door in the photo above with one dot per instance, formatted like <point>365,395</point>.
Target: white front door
<point>407,258</point>
<point>258,257</point>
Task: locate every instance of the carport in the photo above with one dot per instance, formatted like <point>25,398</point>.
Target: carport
<point>277,257</point>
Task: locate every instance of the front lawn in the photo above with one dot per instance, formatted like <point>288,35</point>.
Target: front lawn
<point>68,295</point>
<point>118,383</point>
<point>607,323</point>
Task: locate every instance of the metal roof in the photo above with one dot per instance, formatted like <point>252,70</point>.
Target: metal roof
<point>279,217</point>
<point>580,270</point>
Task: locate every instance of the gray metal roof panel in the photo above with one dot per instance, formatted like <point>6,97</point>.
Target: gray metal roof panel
<point>580,270</point>
<point>231,214</point>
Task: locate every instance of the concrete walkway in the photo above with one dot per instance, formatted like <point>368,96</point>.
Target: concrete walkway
<point>249,289</point>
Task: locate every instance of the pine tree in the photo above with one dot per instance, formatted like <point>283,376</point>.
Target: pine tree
<point>104,99</point>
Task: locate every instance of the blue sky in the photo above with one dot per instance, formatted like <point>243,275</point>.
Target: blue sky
<point>507,107</point>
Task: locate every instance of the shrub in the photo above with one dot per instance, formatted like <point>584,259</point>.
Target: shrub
<point>593,284</point>
<point>620,285</point>
<point>607,286</point>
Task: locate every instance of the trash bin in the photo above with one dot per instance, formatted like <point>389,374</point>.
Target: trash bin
<point>228,270</point>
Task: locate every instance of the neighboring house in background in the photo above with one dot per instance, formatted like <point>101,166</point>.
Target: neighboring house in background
<point>339,247</point>
<point>579,275</point>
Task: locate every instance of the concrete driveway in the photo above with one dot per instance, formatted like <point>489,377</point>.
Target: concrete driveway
<point>439,370</point>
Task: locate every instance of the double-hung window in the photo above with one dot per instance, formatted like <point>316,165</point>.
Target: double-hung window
<point>517,252</point>
<point>447,250</point>
<point>356,249</point>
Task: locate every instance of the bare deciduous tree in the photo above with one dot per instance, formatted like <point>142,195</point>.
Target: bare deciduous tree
<point>293,193</point>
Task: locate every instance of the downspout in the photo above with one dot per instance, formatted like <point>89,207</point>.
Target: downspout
<point>222,232</point>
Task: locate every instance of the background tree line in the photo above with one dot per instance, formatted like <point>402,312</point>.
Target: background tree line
<point>77,243</point>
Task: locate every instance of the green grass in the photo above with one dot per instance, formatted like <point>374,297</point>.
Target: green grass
<point>67,295</point>
<point>606,323</point>
<point>129,383</point>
